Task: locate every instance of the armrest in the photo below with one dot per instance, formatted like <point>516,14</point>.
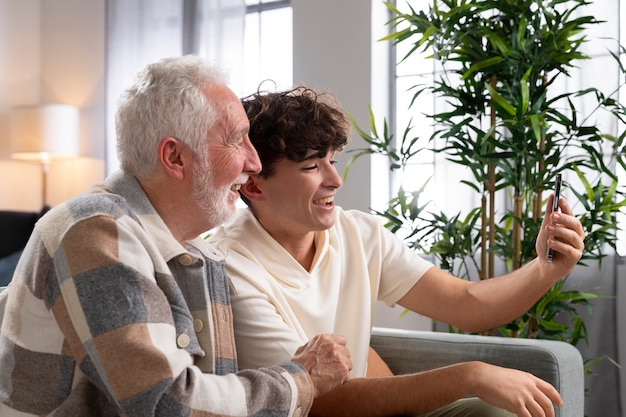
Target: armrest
<point>559,363</point>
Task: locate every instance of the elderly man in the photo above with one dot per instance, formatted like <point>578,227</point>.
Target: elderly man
<point>117,307</point>
<point>299,265</point>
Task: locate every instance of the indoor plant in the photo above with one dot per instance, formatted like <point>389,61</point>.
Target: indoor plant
<point>513,131</point>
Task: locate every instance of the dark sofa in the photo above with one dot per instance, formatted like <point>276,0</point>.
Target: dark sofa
<point>15,229</point>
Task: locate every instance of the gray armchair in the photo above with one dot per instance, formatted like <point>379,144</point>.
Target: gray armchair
<point>556,362</point>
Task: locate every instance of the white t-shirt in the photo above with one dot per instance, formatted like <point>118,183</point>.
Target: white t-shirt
<point>278,305</point>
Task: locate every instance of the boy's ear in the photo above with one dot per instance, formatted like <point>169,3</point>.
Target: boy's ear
<point>250,189</point>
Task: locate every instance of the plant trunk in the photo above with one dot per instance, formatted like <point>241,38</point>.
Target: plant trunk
<point>517,232</point>
<point>537,202</point>
<point>491,188</point>
<point>488,221</point>
<point>492,220</point>
<point>482,274</point>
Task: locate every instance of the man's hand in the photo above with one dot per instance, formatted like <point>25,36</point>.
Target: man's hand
<point>328,361</point>
<point>564,233</point>
<point>516,391</point>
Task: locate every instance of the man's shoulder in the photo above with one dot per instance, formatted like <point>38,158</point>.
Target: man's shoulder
<point>100,200</point>
<point>97,202</point>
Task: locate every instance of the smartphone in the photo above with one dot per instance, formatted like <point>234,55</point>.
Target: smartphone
<point>555,207</point>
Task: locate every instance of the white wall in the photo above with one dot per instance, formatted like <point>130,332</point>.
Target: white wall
<point>20,69</point>
<point>53,52</point>
<point>331,52</point>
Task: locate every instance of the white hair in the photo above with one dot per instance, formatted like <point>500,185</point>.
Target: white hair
<point>167,100</point>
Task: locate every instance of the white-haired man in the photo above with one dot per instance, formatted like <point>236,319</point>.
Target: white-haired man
<point>118,308</point>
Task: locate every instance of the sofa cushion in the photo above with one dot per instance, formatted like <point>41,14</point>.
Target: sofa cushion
<point>7,267</point>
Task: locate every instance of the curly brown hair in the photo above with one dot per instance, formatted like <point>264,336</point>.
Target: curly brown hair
<point>288,124</point>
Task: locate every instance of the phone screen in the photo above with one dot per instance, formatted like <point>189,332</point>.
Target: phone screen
<point>555,207</point>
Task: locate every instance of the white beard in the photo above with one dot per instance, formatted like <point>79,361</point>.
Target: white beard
<point>214,203</point>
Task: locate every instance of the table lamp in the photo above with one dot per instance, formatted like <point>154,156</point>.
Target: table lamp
<point>42,133</point>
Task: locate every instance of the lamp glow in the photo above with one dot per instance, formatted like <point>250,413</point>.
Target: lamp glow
<point>42,133</point>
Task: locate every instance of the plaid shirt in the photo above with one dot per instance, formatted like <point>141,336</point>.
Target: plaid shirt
<point>108,315</point>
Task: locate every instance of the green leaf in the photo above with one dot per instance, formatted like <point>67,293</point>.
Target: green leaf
<point>489,62</point>
<point>588,188</point>
<point>536,126</point>
<point>495,96</point>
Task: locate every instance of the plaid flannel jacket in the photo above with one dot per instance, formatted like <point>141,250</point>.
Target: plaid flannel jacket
<point>108,315</point>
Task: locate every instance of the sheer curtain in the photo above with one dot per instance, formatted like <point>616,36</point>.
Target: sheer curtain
<point>143,31</point>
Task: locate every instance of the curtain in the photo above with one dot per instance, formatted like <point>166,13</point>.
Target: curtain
<point>143,31</point>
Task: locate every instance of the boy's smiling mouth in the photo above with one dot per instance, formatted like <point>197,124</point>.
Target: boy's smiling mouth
<point>324,202</point>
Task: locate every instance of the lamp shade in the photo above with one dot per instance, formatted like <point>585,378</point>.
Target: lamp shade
<point>43,132</point>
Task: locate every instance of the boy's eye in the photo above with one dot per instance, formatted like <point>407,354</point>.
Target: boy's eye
<point>310,168</point>
<point>333,161</point>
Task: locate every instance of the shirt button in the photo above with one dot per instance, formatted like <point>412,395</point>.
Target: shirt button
<point>298,412</point>
<point>183,341</point>
<point>198,325</point>
<point>185,260</point>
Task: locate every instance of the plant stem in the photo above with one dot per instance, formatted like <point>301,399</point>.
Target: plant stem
<point>483,238</point>
<point>540,167</point>
<point>517,232</point>
<point>491,187</point>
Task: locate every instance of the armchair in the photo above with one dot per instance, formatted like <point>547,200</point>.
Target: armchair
<point>559,363</point>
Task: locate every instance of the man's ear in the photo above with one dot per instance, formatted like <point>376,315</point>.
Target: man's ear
<point>251,188</point>
<point>171,157</point>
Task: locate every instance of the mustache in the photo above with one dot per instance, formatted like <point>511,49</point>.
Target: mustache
<point>242,179</point>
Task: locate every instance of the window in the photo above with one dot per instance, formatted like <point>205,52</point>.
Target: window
<point>416,69</point>
<point>268,45</point>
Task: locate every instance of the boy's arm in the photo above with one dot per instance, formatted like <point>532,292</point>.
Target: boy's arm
<point>413,394</point>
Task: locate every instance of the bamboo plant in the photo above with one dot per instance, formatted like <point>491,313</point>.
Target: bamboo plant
<point>507,124</point>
